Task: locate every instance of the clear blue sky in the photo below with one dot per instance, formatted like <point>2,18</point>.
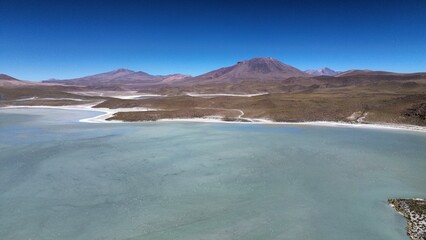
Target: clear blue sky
<point>66,39</point>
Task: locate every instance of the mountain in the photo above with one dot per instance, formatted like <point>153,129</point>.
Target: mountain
<point>8,81</point>
<point>6,77</point>
<point>174,77</point>
<point>322,72</point>
<point>120,77</point>
<point>254,69</point>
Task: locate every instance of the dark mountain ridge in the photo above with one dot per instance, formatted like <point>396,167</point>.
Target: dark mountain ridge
<point>261,69</point>
<point>119,77</point>
<point>7,77</point>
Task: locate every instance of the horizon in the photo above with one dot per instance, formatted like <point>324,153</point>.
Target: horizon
<point>40,40</point>
<point>163,74</point>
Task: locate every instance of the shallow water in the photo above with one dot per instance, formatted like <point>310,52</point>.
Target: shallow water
<point>61,179</point>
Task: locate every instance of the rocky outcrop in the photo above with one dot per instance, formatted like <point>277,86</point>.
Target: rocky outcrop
<point>414,210</point>
<point>418,111</point>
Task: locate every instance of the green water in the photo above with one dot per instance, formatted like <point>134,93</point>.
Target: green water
<point>61,179</point>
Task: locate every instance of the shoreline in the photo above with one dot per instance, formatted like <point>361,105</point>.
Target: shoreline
<point>208,95</point>
<point>413,210</point>
<point>384,126</point>
<point>107,112</point>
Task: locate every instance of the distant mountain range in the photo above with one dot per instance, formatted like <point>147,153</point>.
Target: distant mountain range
<point>322,72</point>
<point>259,69</point>
<point>253,69</point>
<point>120,76</point>
<point>256,69</point>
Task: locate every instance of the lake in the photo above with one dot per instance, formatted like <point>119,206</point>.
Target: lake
<point>63,179</point>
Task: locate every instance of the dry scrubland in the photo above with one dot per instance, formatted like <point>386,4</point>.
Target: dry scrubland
<point>397,99</point>
<point>384,103</point>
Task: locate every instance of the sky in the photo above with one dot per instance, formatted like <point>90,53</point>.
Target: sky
<point>66,39</point>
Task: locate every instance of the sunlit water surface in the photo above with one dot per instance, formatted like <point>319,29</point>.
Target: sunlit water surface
<point>62,179</point>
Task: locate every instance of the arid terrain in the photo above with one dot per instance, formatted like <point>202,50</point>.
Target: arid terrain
<point>278,91</point>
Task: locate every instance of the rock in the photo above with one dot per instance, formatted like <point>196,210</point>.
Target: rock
<point>418,111</point>
<point>414,210</point>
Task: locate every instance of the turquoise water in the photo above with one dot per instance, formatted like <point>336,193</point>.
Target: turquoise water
<point>61,179</point>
